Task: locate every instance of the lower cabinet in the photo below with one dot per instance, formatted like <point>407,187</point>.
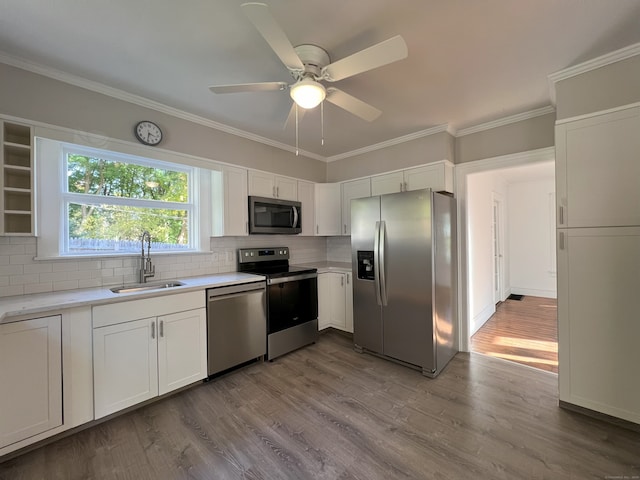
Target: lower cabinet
<point>140,359</point>
<point>30,378</point>
<point>335,301</point>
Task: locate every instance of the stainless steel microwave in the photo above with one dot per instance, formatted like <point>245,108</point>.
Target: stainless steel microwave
<point>274,216</point>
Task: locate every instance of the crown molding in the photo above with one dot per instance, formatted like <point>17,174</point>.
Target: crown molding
<point>580,68</point>
<point>519,117</point>
<point>145,102</point>
<point>391,142</point>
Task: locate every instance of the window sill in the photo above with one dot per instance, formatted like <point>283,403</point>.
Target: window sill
<point>120,255</point>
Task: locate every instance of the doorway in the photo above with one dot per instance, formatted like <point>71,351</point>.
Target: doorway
<point>504,227</point>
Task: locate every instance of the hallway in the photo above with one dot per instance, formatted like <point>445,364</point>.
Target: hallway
<point>523,331</point>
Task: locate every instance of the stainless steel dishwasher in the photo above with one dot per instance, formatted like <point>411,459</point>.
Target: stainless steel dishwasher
<point>236,325</point>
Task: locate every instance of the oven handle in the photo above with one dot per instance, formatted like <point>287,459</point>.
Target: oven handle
<point>218,293</point>
<point>292,278</point>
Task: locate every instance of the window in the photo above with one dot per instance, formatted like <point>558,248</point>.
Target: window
<point>107,199</point>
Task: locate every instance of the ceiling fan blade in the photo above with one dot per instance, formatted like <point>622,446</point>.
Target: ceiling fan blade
<point>383,53</point>
<point>291,118</point>
<point>352,104</point>
<point>259,15</point>
<point>249,87</point>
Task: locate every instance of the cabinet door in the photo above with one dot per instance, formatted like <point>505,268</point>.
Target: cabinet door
<point>350,190</point>
<point>388,183</point>
<point>597,170</point>
<point>328,215</point>
<point>286,188</point>
<point>306,196</point>
<point>235,202</point>
<point>598,305</point>
<point>30,378</point>
<point>438,177</point>
<point>125,365</point>
<point>338,300</point>
<point>182,349</point>
<point>324,301</point>
<point>261,184</point>
<point>348,306</point>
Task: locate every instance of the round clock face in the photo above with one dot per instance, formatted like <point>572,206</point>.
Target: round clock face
<point>148,133</point>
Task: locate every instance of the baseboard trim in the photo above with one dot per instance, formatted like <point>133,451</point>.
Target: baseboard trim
<point>600,416</point>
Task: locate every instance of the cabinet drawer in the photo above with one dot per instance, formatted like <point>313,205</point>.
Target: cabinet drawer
<point>126,311</point>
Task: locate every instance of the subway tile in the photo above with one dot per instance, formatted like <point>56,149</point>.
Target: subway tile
<point>112,263</point>
<point>53,276</point>
<point>10,290</point>
<point>38,288</point>
<point>38,267</point>
<point>4,280</point>
<point>12,249</point>
<point>11,269</point>
<point>67,266</point>
<point>24,279</point>
<point>4,259</point>
<point>20,259</point>
<point>65,285</point>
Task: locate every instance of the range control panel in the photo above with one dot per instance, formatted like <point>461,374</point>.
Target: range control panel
<point>246,255</point>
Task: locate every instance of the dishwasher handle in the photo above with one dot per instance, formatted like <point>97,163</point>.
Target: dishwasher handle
<point>234,290</point>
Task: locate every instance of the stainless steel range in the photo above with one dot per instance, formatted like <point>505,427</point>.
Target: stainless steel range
<point>292,298</point>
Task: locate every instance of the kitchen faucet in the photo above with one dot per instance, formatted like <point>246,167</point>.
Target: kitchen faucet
<point>147,269</point>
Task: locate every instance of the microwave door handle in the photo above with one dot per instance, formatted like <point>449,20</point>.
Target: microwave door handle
<point>295,217</point>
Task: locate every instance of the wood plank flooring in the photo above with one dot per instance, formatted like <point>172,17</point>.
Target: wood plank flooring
<point>327,412</point>
<point>523,331</point>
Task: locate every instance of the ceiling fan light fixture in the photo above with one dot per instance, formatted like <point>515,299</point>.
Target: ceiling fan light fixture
<point>308,93</point>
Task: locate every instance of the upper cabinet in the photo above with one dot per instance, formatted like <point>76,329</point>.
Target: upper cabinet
<point>437,176</point>
<point>306,196</point>
<point>16,179</point>
<point>350,190</point>
<point>597,170</point>
<point>263,184</point>
<point>327,209</point>
<point>230,203</point>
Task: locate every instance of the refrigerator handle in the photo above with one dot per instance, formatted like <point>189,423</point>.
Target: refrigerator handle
<point>376,264</point>
<point>381,262</point>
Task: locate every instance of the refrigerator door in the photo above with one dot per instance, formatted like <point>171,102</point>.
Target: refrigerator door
<point>367,321</point>
<point>408,333</point>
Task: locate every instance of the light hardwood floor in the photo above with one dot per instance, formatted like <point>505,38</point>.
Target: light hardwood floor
<point>327,412</point>
<point>523,331</point>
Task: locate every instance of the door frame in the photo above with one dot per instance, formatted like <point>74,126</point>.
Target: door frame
<point>497,246</point>
<point>461,172</point>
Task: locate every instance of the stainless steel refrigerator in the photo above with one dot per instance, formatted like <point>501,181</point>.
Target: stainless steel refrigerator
<point>404,290</point>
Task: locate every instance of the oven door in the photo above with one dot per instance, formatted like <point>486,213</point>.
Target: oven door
<point>270,215</point>
<point>292,301</point>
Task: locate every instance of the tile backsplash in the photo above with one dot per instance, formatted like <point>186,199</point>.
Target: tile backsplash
<point>20,274</point>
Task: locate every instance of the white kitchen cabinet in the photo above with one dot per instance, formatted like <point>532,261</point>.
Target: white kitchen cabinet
<point>598,171</point>
<point>335,301</point>
<point>148,347</point>
<point>30,378</point>
<point>182,349</point>
<point>350,190</point>
<point>598,327</point>
<point>306,196</point>
<point>236,207</point>
<point>262,184</point>
<point>437,176</point>
<point>328,214</point>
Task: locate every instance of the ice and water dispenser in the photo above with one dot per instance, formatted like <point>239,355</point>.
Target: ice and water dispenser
<point>365,265</point>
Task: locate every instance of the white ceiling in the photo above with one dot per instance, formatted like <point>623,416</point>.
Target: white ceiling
<point>470,61</point>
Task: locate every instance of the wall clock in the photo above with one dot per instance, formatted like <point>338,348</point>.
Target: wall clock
<point>148,133</point>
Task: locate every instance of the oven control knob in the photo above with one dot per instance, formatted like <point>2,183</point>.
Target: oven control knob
<point>285,252</point>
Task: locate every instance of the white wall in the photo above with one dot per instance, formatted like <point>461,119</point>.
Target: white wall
<point>531,234</point>
<point>480,187</point>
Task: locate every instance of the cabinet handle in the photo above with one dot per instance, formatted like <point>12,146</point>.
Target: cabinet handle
<point>561,214</point>
<point>278,192</point>
<point>153,329</point>
<point>406,189</point>
<point>345,228</point>
<point>561,241</point>
<point>246,227</point>
<point>317,229</point>
<point>342,281</point>
<point>273,191</point>
<point>347,279</point>
<point>161,328</point>
<point>401,186</point>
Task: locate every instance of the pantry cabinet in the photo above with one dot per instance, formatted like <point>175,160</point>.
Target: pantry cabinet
<point>598,170</point>
<point>16,179</point>
<point>141,352</point>
<point>262,184</point>
<point>30,378</point>
<point>335,301</point>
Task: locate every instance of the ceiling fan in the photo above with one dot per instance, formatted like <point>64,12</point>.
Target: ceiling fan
<point>310,65</point>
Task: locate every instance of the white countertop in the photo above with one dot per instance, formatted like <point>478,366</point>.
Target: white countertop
<point>45,302</point>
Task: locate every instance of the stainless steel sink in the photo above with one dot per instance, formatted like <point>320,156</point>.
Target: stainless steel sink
<point>141,287</point>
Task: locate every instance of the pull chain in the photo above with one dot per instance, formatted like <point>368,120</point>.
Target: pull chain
<point>297,151</point>
<point>322,123</point>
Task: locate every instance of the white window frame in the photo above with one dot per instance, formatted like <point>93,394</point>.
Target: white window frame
<point>53,199</point>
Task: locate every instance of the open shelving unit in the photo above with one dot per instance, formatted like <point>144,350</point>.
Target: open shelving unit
<point>16,159</point>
